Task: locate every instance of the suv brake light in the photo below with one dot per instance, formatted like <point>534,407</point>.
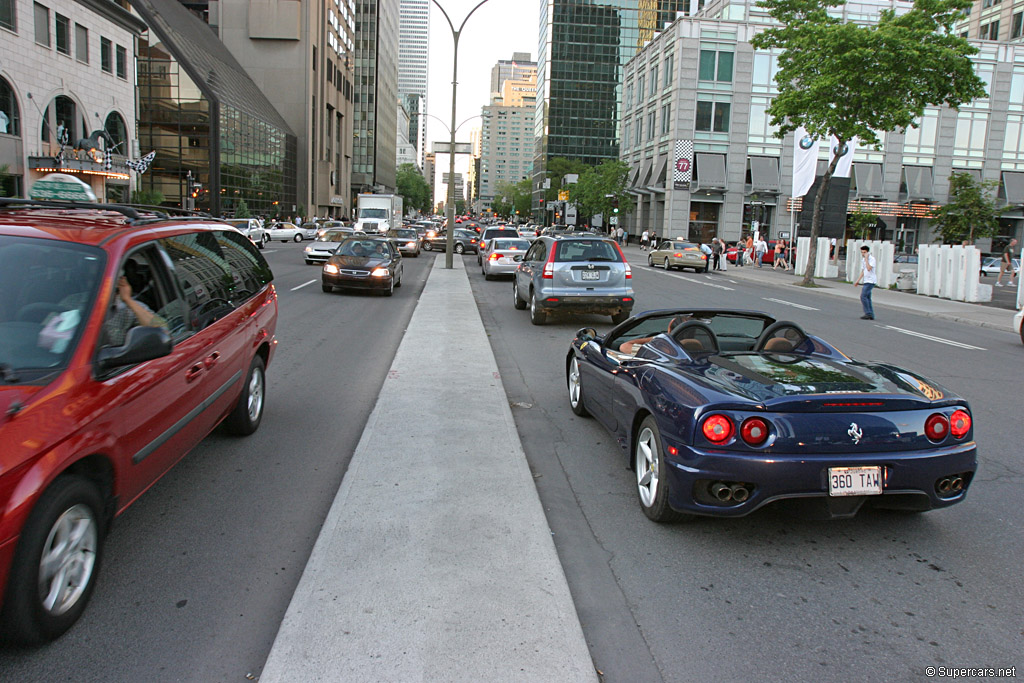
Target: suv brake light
<point>549,265</point>
<point>629,271</point>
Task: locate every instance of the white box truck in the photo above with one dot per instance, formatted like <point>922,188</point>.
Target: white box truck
<point>378,212</point>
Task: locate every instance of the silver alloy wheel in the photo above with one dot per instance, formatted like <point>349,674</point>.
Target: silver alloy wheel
<point>533,303</point>
<point>647,475</point>
<point>650,261</point>
<point>664,264</point>
<point>68,559</point>
<point>574,383</point>
<point>255,403</point>
<point>298,237</point>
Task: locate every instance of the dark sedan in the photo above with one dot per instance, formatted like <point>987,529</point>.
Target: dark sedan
<point>721,412</point>
<point>366,262</point>
<point>466,241</point>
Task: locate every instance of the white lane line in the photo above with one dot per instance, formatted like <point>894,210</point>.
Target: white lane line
<point>304,284</point>
<point>790,303</point>
<point>700,282</point>
<point>931,338</point>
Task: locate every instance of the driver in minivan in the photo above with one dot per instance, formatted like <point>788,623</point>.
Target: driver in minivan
<point>126,311</point>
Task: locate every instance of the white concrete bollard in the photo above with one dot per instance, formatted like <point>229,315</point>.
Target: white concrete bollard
<point>884,253</point>
<point>803,248</point>
<point>957,283</point>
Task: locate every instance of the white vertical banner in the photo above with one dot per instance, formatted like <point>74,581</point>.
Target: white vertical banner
<point>846,157</point>
<point>805,161</point>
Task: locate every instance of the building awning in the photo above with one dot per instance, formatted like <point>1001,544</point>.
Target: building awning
<point>869,179</point>
<point>1013,185</point>
<point>919,183</point>
<point>642,175</point>
<point>764,174</point>
<point>634,174</point>
<point>659,176</point>
<point>710,171</point>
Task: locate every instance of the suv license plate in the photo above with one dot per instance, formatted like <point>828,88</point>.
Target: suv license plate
<point>855,481</point>
<point>590,275</point>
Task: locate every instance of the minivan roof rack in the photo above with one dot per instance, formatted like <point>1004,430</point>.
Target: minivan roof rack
<point>133,212</point>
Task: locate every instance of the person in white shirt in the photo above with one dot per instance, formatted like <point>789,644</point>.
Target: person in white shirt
<point>645,239</point>
<point>869,276</point>
<point>760,249</point>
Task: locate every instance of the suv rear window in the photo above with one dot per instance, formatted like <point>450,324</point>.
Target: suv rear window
<point>586,250</point>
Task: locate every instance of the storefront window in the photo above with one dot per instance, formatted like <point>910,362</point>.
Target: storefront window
<point>704,220</point>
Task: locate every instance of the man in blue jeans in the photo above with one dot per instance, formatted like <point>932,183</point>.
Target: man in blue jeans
<point>869,275</point>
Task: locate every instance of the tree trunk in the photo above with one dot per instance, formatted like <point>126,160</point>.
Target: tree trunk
<point>826,180</point>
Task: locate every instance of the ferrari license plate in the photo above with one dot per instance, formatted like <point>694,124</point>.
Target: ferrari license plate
<point>590,275</point>
<point>855,481</point>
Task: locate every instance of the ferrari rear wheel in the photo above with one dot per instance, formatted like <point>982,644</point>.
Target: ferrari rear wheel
<point>652,486</point>
<point>576,389</point>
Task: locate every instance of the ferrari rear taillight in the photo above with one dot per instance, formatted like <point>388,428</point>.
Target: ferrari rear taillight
<point>960,423</point>
<point>717,429</point>
<point>754,431</point>
<point>936,427</point>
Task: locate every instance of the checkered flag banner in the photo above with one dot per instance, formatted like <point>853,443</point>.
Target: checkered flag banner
<point>142,165</point>
<point>682,172</point>
<point>108,159</point>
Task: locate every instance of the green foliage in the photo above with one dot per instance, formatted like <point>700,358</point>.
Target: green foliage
<point>971,213</point>
<point>242,209</point>
<point>301,211</point>
<point>6,187</point>
<point>557,169</point>
<point>600,186</point>
<point>510,198</point>
<point>413,188</point>
<point>850,80</point>
<point>863,223</point>
<point>148,197</point>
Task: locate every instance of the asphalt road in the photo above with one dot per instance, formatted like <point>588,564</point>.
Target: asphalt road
<point>199,572</point>
<point>775,596</point>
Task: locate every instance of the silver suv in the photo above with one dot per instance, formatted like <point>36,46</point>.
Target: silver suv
<point>575,273</point>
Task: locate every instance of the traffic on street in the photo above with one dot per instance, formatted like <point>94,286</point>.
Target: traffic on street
<point>201,569</point>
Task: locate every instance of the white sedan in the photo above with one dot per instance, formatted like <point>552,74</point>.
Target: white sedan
<point>990,266</point>
<point>286,232</point>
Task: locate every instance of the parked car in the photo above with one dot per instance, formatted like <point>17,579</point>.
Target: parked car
<point>286,232</point>
<point>489,233</point>
<point>990,265</point>
<point>324,245</point>
<point>464,240</point>
<point>678,254</point>
<point>581,274</point>
<point>722,411</point>
<point>768,257</point>
<point>406,239</point>
<point>251,228</point>
<point>905,259</point>
<point>502,256</point>
<point>365,262</point>
<point>125,338</point>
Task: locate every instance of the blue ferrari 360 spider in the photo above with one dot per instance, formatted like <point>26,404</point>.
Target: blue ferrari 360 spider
<point>722,412</point>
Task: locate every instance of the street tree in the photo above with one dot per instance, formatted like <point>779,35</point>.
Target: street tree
<point>862,223</point>
<point>601,188</point>
<point>851,80</point>
<point>242,209</point>
<point>148,197</point>
<point>971,213</point>
<point>413,188</point>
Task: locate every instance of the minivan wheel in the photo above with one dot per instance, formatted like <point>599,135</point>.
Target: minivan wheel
<point>54,570</point>
<point>245,418</point>
<point>537,315</point>
<point>517,300</point>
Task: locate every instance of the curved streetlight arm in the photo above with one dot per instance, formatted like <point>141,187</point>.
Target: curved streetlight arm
<point>447,128</point>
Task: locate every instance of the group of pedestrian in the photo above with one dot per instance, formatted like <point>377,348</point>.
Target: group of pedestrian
<point>648,240</point>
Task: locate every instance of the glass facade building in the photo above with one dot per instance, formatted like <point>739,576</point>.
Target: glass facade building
<point>375,106</point>
<point>583,48</point>
<point>218,141</point>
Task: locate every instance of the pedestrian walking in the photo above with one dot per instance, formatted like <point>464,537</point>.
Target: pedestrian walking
<point>740,248</point>
<point>654,239</point>
<point>645,240</point>
<point>1006,265</point>
<point>867,279</point>
<point>749,248</point>
<point>716,253</point>
<point>760,249</point>
<point>618,234</point>
<point>777,261</point>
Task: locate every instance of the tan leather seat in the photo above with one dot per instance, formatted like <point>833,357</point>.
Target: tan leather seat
<point>778,345</point>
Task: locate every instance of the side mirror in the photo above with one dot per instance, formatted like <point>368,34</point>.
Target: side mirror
<point>141,344</point>
<point>586,333</point>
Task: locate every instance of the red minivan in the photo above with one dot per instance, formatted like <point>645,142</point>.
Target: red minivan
<point>126,336</point>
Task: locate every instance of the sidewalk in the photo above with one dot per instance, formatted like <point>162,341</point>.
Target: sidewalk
<point>932,307</point>
<point>435,562</point>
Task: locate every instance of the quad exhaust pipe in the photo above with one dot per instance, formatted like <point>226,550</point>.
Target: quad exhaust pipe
<point>725,493</point>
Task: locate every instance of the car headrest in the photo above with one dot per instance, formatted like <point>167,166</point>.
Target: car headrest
<point>781,337</point>
<point>692,333</point>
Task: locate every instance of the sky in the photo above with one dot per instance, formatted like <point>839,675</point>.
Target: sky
<point>494,31</point>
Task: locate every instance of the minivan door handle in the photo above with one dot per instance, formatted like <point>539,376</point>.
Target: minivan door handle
<point>193,372</point>
<point>212,359</point>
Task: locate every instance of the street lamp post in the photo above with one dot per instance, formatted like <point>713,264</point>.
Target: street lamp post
<point>450,243</point>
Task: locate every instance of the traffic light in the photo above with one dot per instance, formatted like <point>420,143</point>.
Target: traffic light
<point>196,188</point>
<point>615,205</point>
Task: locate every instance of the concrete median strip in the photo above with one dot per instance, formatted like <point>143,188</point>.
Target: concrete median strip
<point>435,561</point>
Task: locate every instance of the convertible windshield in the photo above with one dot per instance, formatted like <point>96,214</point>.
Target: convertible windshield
<point>48,289</point>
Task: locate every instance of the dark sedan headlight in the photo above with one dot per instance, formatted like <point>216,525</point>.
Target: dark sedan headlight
<point>331,268</point>
<point>380,272</point>
<point>410,245</point>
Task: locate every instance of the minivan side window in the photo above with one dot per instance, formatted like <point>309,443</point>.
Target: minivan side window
<point>147,286</point>
<point>249,270</point>
<point>204,276</point>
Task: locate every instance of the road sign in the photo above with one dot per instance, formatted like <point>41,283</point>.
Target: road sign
<point>563,195</point>
<point>62,186</point>
<point>613,220</point>
<point>460,147</point>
